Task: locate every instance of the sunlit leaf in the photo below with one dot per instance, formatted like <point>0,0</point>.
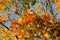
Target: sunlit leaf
<point>58,7</point>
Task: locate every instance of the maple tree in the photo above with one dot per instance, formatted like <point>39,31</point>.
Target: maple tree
<point>40,23</point>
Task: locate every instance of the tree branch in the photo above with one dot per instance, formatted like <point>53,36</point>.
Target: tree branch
<point>8,29</point>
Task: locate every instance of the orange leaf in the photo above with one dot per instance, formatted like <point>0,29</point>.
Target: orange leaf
<point>4,1</point>
<point>11,30</point>
<point>13,21</point>
<point>53,0</point>
<point>46,16</point>
<point>0,28</point>
<point>58,1</point>
<point>21,32</point>
<point>20,38</point>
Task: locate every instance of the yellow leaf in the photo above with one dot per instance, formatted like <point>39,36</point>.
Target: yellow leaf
<point>2,19</point>
<point>20,19</point>
<point>38,8</point>
<point>4,29</point>
<point>6,39</point>
<point>15,33</point>
<point>30,11</point>
<point>46,35</point>
<point>2,7</point>
<point>58,7</point>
